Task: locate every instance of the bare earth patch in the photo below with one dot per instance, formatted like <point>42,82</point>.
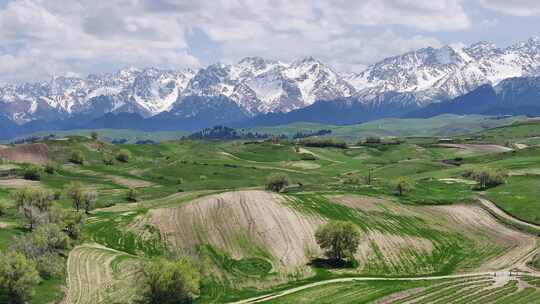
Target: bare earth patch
<point>32,153</point>
<point>18,183</point>
<point>129,182</point>
<point>457,180</point>
<point>303,165</point>
<point>239,223</point>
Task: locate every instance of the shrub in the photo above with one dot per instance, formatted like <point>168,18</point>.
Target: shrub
<point>339,239</point>
<point>108,160</point>
<point>94,135</point>
<point>50,168</point>
<point>324,142</point>
<point>307,156</point>
<point>18,276</point>
<point>168,282</point>
<point>277,181</point>
<point>3,208</point>
<point>402,186</point>
<point>77,157</point>
<point>132,195</point>
<point>373,140</point>
<point>123,155</point>
<point>32,173</point>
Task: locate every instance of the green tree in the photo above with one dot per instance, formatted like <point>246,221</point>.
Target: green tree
<point>277,181</point>
<point>75,191</point>
<point>339,239</point>
<point>33,204</point>
<point>89,198</point>
<point>46,246</point>
<point>168,282</point>
<point>94,135</point>
<point>402,186</point>
<point>77,157</point>
<point>32,173</point>
<point>123,155</point>
<point>486,178</point>
<point>18,276</point>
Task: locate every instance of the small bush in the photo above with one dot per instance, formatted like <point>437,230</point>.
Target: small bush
<point>3,208</point>
<point>77,157</point>
<point>307,156</point>
<point>94,135</point>
<point>373,140</point>
<point>123,156</point>
<point>132,195</point>
<point>108,160</point>
<point>32,173</point>
<point>277,181</point>
<point>50,168</point>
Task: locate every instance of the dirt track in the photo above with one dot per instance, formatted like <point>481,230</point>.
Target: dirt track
<point>239,223</point>
<point>18,183</point>
<point>478,148</point>
<point>32,153</point>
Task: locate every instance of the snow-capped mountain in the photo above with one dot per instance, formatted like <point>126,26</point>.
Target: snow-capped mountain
<point>439,74</point>
<point>256,86</point>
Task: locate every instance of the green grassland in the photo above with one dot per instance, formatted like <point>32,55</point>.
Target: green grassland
<point>443,125</point>
<point>173,173</point>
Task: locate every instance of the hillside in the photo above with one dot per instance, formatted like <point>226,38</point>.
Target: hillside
<point>206,200</point>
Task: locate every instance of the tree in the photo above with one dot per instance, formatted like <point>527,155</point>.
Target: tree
<point>33,204</point>
<point>77,157</point>
<point>168,282</point>
<point>277,181</point>
<point>339,239</point>
<point>486,178</point>
<point>402,186</point>
<point>18,275</point>
<point>123,155</point>
<point>32,173</point>
<point>75,191</point>
<point>132,195</point>
<point>89,197</point>
<point>45,246</point>
<point>94,135</point>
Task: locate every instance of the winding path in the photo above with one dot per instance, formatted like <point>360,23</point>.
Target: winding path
<point>498,212</point>
<point>519,268</point>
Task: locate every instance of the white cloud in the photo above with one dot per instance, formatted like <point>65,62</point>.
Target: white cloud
<point>43,37</point>
<point>523,8</point>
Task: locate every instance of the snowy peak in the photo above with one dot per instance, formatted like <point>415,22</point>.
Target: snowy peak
<point>256,85</point>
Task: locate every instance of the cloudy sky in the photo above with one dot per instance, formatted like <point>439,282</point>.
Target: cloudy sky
<point>40,38</point>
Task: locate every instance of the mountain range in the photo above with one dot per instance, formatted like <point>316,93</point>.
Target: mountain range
<point>480,78</point>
